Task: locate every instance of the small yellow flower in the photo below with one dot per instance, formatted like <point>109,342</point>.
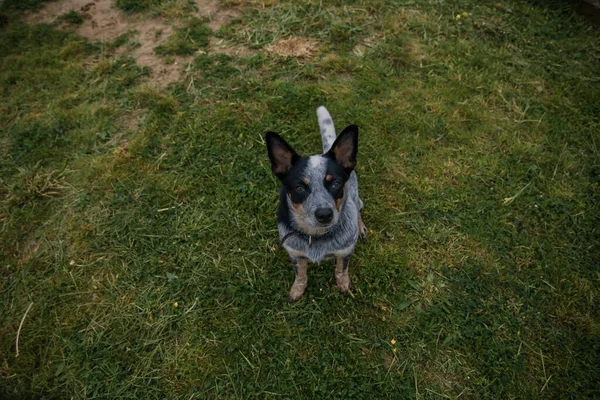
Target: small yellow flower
<point>457,17</point>
<point>394,350</point>
<point>393,341</point>
<point>370,230</point>
<point>465,14</point>
<point>175,305</point>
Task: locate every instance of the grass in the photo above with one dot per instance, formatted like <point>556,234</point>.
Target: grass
<point>140,5</point>
<point>71,17</point>
<point>170,9</point>
<point>186,40</point>
<point>22,5</point>
<point>148,249</point>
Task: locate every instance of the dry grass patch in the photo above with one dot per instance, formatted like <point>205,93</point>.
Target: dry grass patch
<point>222,46</point>
<point>294,47</point>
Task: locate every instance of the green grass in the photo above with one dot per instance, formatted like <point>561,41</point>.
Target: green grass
<point>186,40</point>
<point>139,5</point>
<point>23,4</point>
<point>148,249</point>
<point>165,8</point>
<point>71,17</point>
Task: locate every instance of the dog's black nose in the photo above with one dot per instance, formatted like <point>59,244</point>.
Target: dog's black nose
<point>324,215</point>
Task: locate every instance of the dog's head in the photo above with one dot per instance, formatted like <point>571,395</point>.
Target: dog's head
<point>315,184</point>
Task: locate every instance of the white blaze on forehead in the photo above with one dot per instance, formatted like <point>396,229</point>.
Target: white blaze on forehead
<point>315,172</point>
<point>316,162</point>
<point>316,168</point>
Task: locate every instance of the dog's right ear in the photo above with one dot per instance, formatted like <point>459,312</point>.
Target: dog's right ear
<point>281,154</point>
<point>345,147</point>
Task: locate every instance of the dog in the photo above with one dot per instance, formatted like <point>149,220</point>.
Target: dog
<point>319,215</point>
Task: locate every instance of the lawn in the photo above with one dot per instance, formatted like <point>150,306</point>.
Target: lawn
<point>138,240</point>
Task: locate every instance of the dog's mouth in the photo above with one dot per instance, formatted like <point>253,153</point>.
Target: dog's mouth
<point>320,228</point>
<point>316,229</point>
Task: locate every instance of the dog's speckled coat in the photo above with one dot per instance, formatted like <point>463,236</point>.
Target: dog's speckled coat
<point>319,182</point>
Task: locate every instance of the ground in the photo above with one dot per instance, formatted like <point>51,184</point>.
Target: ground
<point>138,239</point>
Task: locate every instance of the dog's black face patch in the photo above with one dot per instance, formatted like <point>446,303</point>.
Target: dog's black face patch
<point>297,185</point>
<point>335,179</point>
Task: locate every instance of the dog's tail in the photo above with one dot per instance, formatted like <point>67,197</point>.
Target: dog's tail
<point>327,128</point>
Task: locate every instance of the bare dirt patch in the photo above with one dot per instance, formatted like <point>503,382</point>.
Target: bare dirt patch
<point>150,34</point>
<point>100,20</point>
<point>217,16</point>
<point>294,47</point>
<point>103,22</point>
<point>129,121</point>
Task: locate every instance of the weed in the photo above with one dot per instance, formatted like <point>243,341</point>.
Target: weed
<point>167,8</point>
<point>187,40</point>
<point>136,5</point>
<point>72,17</point>
<point>121,40</point>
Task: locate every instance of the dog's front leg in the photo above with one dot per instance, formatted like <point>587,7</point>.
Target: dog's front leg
<point>300,266</point>
<point>341,272</point>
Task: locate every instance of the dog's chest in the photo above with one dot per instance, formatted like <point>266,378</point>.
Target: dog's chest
<point>317,252</point>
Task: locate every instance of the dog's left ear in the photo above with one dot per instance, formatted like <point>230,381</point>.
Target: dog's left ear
<point>281,154</point>
<point>345,148</point>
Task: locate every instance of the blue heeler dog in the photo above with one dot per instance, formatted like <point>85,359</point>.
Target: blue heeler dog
<point>319,209</point>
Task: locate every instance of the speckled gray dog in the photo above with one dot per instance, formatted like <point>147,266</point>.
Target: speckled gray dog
<point>319,209</point>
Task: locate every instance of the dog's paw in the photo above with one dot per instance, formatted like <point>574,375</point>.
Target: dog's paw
<point>363,232</point>
<point>343,283</point>
<point>295,297</point>
<point>297,291</point>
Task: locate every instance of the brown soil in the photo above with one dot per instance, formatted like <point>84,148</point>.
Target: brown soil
<point>217,16</point>
<point>105,23</point>
<point>101,20</point>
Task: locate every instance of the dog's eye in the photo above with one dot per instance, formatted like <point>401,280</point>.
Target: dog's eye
<point>336,184</point>
<point>299,189</point>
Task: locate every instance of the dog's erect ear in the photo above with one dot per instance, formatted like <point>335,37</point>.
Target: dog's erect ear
<point>345,148</point>
<point>281,154</point>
